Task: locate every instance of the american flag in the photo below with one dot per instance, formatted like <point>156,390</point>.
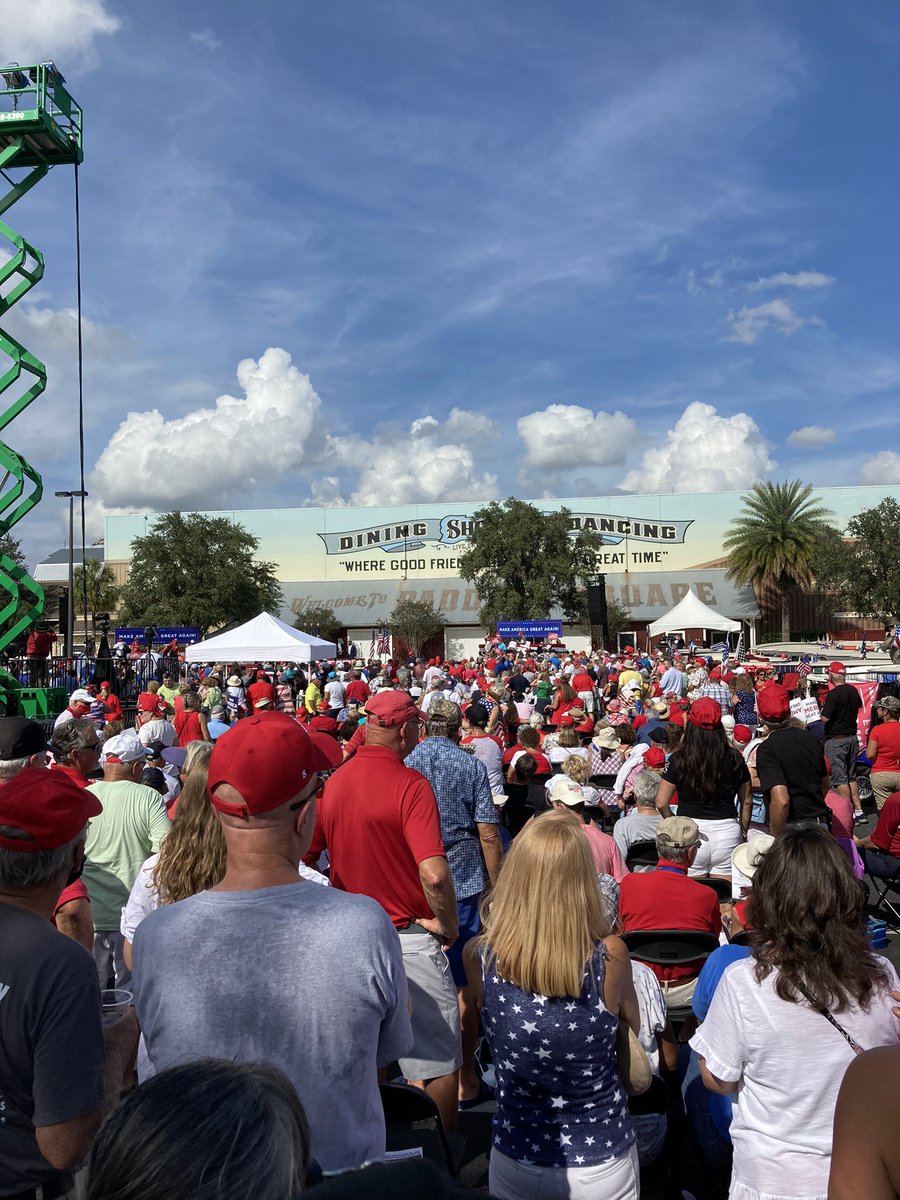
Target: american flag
<point>726,653</point>
<point>380,644</point>
<point>740,653</point>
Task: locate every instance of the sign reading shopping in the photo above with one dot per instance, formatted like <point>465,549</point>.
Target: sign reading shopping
<point>527,630</point>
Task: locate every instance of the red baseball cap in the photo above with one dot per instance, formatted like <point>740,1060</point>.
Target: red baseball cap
<point>715,673</point>
<point>655,757</point>
<point>742,734</point>
<point>46,805</point>
<point>790,679</point>
<point>105,684</point>
<point>773,702</point>
<point>837,668</point>
<point>390,709</point>
<point>268,759</point>
<point>705,713</point>
<point>566,722</point>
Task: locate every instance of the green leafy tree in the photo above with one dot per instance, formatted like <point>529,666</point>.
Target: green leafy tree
<point>415,621</point>
<point>772,543</point>
<point>320,621</point>
<point>525,563</point>
<point>871,585</point>
<point>103,594</point>
<point>190,569</point>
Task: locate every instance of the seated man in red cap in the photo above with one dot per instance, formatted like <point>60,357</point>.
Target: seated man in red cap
<point>665,898</point>
<point>269,967</point>
<point>380,822</point>
<point>52,1052</point>
<point>790,765</point>
<point>112,708</point>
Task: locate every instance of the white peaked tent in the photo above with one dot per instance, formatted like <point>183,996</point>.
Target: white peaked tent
<point>691,613</point>
<point>264,638</point>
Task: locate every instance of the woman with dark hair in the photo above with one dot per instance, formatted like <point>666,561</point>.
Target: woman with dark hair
<point>209,1130</point>
<point>710,777</point>
<point>785,1024</point>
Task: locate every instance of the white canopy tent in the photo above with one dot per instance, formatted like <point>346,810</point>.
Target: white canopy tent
<point>691,613</point>
<point>265,638</point>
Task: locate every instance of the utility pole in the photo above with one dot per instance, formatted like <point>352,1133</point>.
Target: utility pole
<point>70,612</point>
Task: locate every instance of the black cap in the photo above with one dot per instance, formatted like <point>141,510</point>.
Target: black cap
<point>20,738</point>
<point>155,749</point>
<point>477,714</point>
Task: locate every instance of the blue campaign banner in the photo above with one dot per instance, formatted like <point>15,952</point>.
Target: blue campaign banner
<point>184,635</point>
<point>529,629</point>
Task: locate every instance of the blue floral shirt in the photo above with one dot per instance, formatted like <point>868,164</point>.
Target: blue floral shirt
<point>460,784</point>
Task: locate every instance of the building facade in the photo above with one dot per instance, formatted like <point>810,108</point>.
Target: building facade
<point>361,561</point>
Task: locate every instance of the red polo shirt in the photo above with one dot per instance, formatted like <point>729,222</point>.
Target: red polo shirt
<point>379,820</point>
<point>76,776</point>
<point>358,690</point>
<point>261,691</point>
<point>667,899</point>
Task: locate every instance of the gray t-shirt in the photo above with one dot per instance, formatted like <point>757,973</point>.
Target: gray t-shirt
<point>305,978</point>
<point>636,826</point>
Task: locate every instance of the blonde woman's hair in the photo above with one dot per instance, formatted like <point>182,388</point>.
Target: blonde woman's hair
<point>545,916</point>
<point>568,738</point>
<point>576,768</point>
<point>192,856</point>
<point>198,755</point>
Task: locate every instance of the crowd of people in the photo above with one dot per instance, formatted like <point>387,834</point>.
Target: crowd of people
<point>618,898</point>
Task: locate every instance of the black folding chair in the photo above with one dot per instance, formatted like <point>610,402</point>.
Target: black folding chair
<point>882,887</point>
<point>671,948</point>
<point>414,1121</point>
<point>642,854</point>
<point>722,887</point>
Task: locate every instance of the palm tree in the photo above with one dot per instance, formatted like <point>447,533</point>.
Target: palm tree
<point>773,541</point>
<point>103,594</point>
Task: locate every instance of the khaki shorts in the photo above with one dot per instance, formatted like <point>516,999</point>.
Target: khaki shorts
<point>435,1010</point>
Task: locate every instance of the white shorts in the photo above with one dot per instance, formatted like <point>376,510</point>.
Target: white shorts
<point>714,855</point>
<point>616,1179</point>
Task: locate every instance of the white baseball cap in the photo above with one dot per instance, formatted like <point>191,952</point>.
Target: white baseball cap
<point>567,791</point>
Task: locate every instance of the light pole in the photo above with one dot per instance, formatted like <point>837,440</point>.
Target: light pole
<point>70,612</point>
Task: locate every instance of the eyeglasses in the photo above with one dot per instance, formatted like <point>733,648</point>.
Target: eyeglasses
<point>321,779</point>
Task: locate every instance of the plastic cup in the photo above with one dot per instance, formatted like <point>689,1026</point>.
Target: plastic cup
<point>114,1004</point>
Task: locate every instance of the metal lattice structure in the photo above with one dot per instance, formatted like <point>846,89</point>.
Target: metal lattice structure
<point>40,127</point>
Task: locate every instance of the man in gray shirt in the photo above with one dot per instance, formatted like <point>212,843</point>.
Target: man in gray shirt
<point>639,823</point>
<point>267,967</point>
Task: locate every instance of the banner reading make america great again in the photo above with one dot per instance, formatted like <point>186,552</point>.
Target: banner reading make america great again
<point>405,536</point>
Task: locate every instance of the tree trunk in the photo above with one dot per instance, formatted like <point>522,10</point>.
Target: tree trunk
<point>785,614</point>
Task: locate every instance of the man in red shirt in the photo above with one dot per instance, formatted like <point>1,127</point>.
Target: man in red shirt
<point>262,689</point>
<point>357,689</point>
<point>76,749</point>
<point>380,822</point>
<point>666,899</point>
<point>112,708</point>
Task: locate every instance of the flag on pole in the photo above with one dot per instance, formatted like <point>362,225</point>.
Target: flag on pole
<point>740,653</point>
<point>373,645</point>
<point>384,642</point>
<point>725,655</point>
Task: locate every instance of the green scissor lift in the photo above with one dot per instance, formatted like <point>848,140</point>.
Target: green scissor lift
<point>40,128</point>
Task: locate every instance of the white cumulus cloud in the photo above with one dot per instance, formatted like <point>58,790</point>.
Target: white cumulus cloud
<point>566,435</point>
<point>799,279</point>
<point>416,466</point>
<point>38,30</point>
<point>211,455</point>
<point>704,452</point>
<point>206,38</point>
<point>884,467</point>
<point>813,436</point>
<point>748,323</point>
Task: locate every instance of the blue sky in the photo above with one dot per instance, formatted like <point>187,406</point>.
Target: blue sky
<point>465,250</point>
